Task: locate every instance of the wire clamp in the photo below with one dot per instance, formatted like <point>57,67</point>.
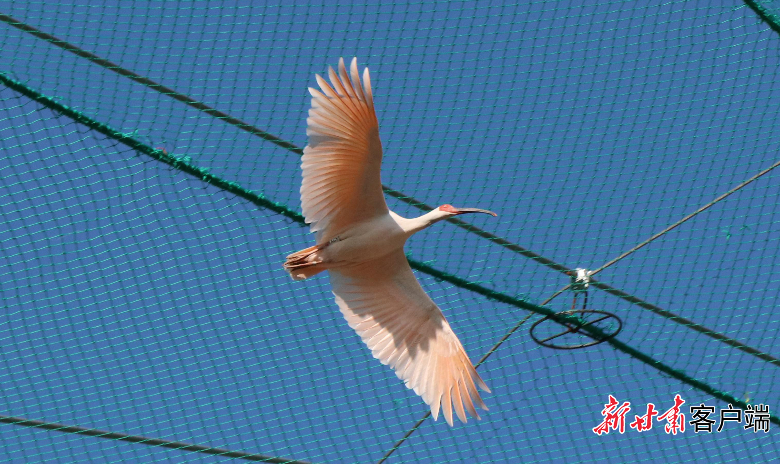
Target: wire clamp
<point>580,280</point>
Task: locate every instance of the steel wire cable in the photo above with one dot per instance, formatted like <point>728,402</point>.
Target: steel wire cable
<point>261,201</point>
<point>400,195</point>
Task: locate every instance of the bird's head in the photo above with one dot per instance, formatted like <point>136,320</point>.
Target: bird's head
<point>453,211</point>
<point>439,214</point>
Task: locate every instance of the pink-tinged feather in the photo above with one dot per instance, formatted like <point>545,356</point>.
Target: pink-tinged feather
<point>403,328</point>
<point>343,157</point>
<point>367,85</point>
<point>375,289</point>
<point>457,401</point>
<point>466,396</point>
<point>327,90</point>
<point>337,84</point>
<point>447,404</point>
<point>353,69</point>
<point>349,86</point>
<point>330,123</point>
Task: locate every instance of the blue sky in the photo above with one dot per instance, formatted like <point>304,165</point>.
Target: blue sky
<point>140,300</point>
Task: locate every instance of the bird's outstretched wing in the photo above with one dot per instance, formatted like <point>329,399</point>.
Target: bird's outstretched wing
<point>341,163</point>
<point>403,327</point>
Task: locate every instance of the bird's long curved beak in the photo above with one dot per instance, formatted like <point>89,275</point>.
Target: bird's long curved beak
<point>474,210</point>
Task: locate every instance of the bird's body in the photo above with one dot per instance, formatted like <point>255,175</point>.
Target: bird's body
<point>360,242</point>
<point>367,240</point>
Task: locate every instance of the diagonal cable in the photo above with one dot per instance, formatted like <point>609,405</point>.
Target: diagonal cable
<point>146,440</point>
<point>668,314</point>
<point>258,132</point>
<point>412,201</point>
<point>261,201</point>
<point>686,218</point>
<point>679,319</point>
<point>598,334</point>
<point>638,355</point>
<point>420,205</point>
<point>149,83</point>
<point>687,323</point>
<point>389,191</point>
<point>671,316</point>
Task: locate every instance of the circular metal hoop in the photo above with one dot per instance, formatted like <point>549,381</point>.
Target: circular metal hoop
<point>574,328</point>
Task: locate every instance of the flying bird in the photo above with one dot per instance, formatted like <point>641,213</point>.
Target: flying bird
<point>360,242</point>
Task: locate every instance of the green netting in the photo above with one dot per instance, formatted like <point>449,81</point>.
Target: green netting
<point>142,238</point>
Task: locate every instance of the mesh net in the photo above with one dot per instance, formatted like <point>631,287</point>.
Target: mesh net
<point>144,300</point>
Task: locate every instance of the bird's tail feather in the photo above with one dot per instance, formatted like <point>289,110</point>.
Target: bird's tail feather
<point>304,264</point>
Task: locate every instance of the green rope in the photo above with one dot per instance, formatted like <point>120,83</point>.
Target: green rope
<point>149,83</point>
<point>203,174</point>
<point>146,441</point>
<point>771,19</point>
<point>687,323</point>
<point>260,200</point>
<point>179,163</point>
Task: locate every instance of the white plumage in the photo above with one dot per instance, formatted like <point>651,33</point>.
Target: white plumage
<point>360,242</point>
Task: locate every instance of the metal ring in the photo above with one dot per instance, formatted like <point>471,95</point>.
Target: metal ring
<point>575,329</point>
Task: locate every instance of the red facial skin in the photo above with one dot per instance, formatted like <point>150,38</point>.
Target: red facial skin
<point>451,209</point>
